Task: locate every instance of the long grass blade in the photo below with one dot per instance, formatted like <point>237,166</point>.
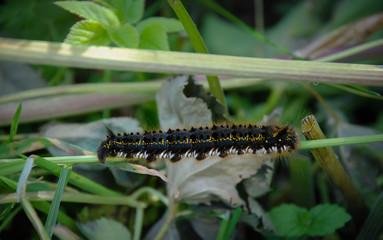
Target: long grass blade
<point>55,204</point>
<point>92,57</point>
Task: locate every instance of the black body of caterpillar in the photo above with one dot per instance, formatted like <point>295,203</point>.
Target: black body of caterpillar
<point>200,142</point>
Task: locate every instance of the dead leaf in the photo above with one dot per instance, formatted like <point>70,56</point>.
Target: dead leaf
<point>350,34</point>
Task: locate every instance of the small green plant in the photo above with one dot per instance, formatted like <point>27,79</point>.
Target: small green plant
<point>118,22</point>
<point>292,221</point>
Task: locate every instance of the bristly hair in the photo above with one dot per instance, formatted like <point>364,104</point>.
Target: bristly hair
<point>201,142</point>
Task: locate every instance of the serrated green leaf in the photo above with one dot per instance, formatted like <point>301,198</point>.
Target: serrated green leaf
<point>87,32</point>
<point>289,220</point>
<point>326,218</point>
<point>132,10</point>
<point>128,11</point>
<point>154,37</point>
<point>293,221</point>
<point>103,228</point>
<point>170,24</point>
<point>126,36</point>
<point>92,11</point>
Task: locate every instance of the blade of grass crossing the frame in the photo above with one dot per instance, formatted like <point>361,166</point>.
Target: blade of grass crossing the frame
<point>363,89</point>
<point>15,123</point>
<point>217,8</point>
<point>232,223</point>
<point>373,226</point>
<point>55,204</point>
<point>334,142</point>
<point>42,205</point>
<point>27,207</point>
<point>76,179</point>
<point>10,168</point>
<point>358,91</point>
<point>34,218</point>
<point>199,46</point>
<point>22,183</point>
<point>96,57</point>
<point>8,183</point>
<point>138,223</point>
<point>61,217</point>
<point>223,227</point>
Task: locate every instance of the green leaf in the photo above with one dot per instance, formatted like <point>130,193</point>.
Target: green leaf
<point>128,11</point>
<point>287,220</point>
<point>103,228</point>
<point>15,123</point>
<point>126,36</point>
<point>87,32</point>
<point>92,11</point>
<point>327,218</point>
<point>154,37</point>
<point>170,24</point>
<point>132,10</point>
<point>293,221</point>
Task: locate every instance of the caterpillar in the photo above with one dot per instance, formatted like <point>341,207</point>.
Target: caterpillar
<point>200,142</point>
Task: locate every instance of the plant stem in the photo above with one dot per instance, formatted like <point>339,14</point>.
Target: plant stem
<point>199,46</point>
<point>92,57</point>
<point>172,210</point>
<point>333,168</point>
<point>334,142</point>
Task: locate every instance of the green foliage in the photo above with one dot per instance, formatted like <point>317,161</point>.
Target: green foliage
<point>92,11</point>
<point>119,22</point>
<point>15,123</point>
<point>88,32</point>
<point>125,36</point>
<point>293,221</point>
<point>154,37</point>
<point>128,199</point>
<point>103,228</point>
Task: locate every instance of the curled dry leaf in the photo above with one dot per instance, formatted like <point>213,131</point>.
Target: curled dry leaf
<point>175,110</point>
<point>86,136</point>
<point>214,177</point>
<point>350,34</point>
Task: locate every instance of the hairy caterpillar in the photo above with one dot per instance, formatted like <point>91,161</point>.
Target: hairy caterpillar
<point>200,142</point>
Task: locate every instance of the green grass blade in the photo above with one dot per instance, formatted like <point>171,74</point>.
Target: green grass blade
<point>199,46</point>
<point>61,217</point>
<point>138,223</point>
<point>26,205</point>
<point>11,167</point>
<point>223,227</point>
<point>55,204</point>
<point>22,183</point>
<point>233,222</point>
<point>15,123</point>
<point>76,179</point>
<point>334,142</point>
<point>34,218</point>
<point>140,60</point>
<point>363,92</point>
